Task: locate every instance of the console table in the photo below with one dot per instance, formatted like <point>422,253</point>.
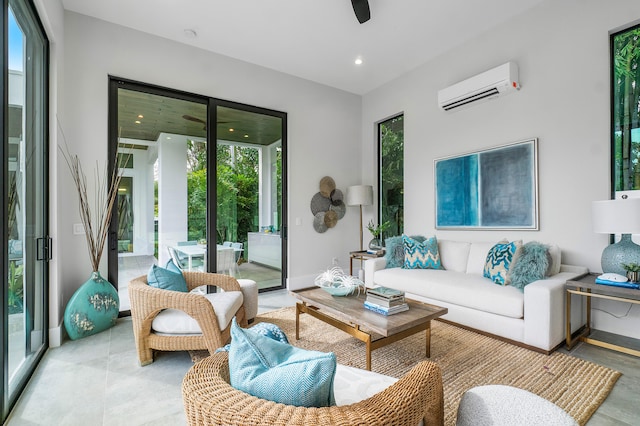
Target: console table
<point>586,287</point>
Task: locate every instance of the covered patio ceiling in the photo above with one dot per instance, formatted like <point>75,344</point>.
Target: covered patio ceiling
<point>144,116</point>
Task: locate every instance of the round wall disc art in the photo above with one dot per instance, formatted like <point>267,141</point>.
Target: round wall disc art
<point>327,205</point>
<point>330,219</point>
<point>327,185</point>
<point>318,223</point>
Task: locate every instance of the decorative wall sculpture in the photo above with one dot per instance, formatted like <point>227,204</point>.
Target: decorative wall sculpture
<point>327,205</point>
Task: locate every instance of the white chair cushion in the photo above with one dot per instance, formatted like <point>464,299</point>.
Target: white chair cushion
<point>174,321</point>
<point>352,385</point>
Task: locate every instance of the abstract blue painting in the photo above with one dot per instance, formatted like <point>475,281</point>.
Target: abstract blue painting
<point>496,188</point>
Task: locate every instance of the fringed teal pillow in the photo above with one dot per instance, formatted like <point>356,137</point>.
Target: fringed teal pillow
<point>531,265</point>
<point>421,255</point>
<point>499,260</point>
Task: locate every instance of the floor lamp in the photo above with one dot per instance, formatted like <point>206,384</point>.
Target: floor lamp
<point>360,195</point>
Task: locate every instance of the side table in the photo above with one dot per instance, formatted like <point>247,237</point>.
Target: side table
<point>362,255</point>
<point>586,287</point>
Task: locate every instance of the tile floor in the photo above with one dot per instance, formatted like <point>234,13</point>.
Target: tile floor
<point>98,381</point>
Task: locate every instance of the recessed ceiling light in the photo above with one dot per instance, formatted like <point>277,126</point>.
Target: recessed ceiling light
<point>231,129</point>
<point>246,136</point>
<point>140,116</point>
<point>189,33</point>
<point>137,121</point>
<point>358,61</point>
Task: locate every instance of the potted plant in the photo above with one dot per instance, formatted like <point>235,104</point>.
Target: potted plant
<point>633,271</point>
<point>94,307</point>
<point>376,230</point>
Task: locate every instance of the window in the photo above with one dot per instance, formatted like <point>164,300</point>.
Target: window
<point>391,174</point>
<point>625,111</point>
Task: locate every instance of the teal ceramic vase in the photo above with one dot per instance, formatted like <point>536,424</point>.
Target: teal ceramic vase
<point>93,308</point>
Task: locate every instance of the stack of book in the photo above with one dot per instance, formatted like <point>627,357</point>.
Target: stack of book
<point>385,301</point>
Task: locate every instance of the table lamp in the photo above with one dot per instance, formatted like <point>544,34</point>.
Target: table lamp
<point>621,216</point>
<point>359,195</point>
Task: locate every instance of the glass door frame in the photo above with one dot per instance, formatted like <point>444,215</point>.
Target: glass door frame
<point>10,394</point>
<point>212,177</point>
<point>116,83</point>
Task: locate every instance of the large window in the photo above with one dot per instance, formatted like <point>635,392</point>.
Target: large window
<point>391,174</point>
<point>625,62</point>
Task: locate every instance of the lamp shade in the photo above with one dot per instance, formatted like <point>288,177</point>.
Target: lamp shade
<point>620,216</point>
<point>359,195</point>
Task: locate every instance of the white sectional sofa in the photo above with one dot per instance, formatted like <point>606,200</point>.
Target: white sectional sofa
<point>534,318</point>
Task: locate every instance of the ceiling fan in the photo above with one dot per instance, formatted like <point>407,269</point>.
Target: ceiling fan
<point>361,9</point>
<point>198,120</point>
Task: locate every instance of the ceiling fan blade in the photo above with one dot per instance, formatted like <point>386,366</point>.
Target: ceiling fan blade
<point>192,118</point>
<point>361,8</point>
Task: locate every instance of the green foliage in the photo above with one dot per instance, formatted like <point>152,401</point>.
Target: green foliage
<point>392,174</point>
<point>15,294</point>
<point>631,267</point>
<point>237,192</point>
<point>626,108</point>
<point>377,230</point>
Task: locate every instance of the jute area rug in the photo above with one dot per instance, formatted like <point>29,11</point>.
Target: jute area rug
<point>467,359</point>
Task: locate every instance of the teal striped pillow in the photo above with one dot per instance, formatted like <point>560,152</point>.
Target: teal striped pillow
<point>421,255</point>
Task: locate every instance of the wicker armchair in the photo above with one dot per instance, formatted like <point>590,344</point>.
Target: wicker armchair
<point>147,302</point>
<point>209,399</point>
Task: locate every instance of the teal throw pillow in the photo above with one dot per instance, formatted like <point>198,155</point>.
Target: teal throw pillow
<point>276,371</point>
<point>166,279</point>
<point>421,255</point>
<point>267,329</point>
<point>394,252</point>
<point>499,260</point>
<point>531,265</point>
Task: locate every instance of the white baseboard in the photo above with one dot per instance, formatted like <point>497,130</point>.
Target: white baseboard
<point>56,335</point>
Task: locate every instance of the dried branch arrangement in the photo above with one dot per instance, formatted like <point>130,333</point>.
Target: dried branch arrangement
<point>96,219</point>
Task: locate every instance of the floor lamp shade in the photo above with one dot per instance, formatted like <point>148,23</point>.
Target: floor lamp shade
<point>620,216</point>
<point>359,195</point>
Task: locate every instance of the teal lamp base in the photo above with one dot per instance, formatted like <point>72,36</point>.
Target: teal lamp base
<point>624,251</point>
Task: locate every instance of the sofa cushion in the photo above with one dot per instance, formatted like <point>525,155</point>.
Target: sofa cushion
<point>469,290</point>
<point>279,372</point>
<point>499,260</point>
<point>174,321</point>
<point>454,255</point>
<point>531,265</point>
<point>419,255</point>
<point>478,257</point>
<point>554,266</point>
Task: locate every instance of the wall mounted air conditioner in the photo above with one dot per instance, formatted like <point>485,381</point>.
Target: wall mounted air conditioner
<point>488,85</point>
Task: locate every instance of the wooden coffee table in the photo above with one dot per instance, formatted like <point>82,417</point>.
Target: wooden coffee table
<point>348,314</point>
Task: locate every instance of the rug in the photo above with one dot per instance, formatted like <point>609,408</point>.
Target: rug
<point>467,359</point>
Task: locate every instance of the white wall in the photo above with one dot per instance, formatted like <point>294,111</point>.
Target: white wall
<point>323,124</point>
<point>562,50</point>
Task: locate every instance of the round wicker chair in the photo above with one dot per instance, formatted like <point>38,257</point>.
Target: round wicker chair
<point>209,399</point>
<point>147,302</point>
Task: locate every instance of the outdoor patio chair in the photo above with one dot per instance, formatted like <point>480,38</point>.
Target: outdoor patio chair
<point>238,249</point>
<point>227,244</point>
<point>168,320</point>
<point>225,261</point>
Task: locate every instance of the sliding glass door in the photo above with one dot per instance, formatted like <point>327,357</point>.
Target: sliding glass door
<point>26,247</point>
<point>216,207</point>
<point>250,150</point>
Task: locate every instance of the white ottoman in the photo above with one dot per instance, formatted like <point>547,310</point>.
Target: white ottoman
<point>249,290</point>
<point>508,406</point>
